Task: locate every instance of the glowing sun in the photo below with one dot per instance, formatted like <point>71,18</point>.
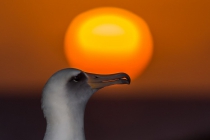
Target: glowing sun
<point>109,40</point>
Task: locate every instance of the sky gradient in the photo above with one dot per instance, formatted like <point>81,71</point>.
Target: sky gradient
<point>32,45</point>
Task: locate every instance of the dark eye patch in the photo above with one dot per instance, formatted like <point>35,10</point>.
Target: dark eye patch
<point>81,76</point>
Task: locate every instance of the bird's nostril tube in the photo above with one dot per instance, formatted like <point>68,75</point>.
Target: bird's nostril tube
<point>96,77</point>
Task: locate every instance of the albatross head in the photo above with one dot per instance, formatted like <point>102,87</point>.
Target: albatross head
<point>78,86</point>
<point>65,96</point>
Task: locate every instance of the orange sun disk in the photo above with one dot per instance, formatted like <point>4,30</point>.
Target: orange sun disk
<point>109,40</point>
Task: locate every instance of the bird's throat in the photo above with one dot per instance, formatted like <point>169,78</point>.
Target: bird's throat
<point>66,124</point>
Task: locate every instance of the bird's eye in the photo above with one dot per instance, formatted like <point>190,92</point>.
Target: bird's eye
<point>75,79</point>
<point>78,78</point>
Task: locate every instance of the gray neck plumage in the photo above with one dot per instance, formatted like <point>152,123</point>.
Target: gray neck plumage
<point>65,122</point>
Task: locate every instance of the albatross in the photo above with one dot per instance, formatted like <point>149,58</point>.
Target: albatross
<point>64,99</point>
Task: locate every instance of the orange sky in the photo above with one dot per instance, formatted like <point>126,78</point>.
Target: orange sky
<point>32,39</point>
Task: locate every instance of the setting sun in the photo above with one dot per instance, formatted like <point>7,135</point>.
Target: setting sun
<point>109,40</point>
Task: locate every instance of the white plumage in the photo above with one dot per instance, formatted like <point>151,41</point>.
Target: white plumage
<point>64,99</point>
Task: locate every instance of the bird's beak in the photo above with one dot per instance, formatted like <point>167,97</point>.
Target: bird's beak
<point>97,81</point>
